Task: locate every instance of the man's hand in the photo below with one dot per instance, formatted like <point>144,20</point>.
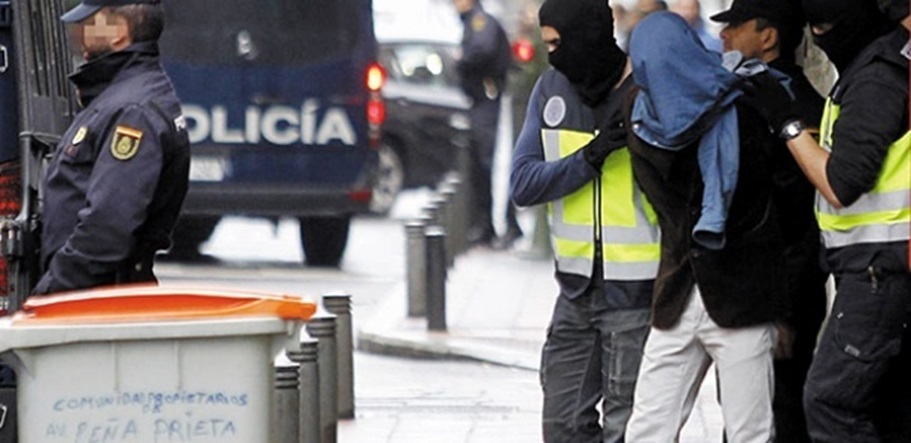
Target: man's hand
<point>609,139</point>
<point>784,344</point>
<point>769,97</point>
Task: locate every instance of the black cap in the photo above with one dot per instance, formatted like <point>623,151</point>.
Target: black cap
<point>86,8</point>
<point>776,11</point>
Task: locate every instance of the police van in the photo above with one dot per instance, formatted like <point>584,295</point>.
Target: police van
<point>282,101</point>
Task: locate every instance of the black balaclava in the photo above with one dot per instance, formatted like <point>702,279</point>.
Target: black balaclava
<point>856,23</point>
<point>587,55</point>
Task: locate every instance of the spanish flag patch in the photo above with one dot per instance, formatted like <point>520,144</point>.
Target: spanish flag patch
<point>478,22</point>
<point>126,142</point>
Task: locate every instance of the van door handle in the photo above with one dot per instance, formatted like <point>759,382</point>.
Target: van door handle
<point>4,59</point>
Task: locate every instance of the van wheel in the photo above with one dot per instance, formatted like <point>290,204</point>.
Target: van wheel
<point>323,240</point>
<point>389,181</point>
<point>190,232</point>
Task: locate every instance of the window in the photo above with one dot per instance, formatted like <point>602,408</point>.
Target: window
<point>261,32</point>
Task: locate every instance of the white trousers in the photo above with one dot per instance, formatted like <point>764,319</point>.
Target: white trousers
<point>675,363</point>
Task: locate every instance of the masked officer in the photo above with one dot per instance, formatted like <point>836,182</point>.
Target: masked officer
<point>771,31</point>
<point>483,65</point>
<point>860,168</point>
<point>571,156</point>
<point>118,178</point>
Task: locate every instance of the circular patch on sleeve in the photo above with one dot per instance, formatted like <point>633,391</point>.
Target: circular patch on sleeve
<point>554,111</point>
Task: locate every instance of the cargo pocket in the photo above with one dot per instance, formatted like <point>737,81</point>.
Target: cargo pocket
<point>626,347</point>
<point>867,324</point>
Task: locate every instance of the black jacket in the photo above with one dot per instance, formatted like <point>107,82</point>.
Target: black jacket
<point>117,180</point>
<point>744,283</point>
<point>873,94</point>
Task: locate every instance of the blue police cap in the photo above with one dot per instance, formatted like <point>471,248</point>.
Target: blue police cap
<point>86,8</point>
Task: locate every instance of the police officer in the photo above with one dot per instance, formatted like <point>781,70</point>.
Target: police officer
<point>771,31</point>
<point>860,168</point>
<point>570,155</point>
<point>482,67</point>
<point>118,178</point>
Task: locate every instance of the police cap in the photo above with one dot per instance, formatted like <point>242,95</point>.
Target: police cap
<point>86,8</point>
<point>781,12</point>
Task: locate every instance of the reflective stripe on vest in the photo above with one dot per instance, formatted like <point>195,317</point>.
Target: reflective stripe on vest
<point>881,215</point>
<point>629,231</point>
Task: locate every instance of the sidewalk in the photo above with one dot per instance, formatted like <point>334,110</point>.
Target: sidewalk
<point>498,305</point>
<point>497,308</point>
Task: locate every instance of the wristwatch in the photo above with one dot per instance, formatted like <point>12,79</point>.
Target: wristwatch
<point>791,130</point>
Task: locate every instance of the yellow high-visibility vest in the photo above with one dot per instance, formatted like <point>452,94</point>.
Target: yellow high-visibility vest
<point>881,215</point>
<point>628,225</point>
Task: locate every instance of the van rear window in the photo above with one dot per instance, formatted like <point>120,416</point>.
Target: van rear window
<point>259,32</point>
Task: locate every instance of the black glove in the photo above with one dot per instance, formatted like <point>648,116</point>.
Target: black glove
<point>764,93</point>
<point>610,138</point>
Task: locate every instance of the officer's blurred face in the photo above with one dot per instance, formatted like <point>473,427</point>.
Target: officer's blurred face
<point>744,37</point>
<point>463,5</point>
<point>551,37</point>
<point>99,34</point>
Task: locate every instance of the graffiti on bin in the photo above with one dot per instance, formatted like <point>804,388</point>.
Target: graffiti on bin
<point>149,402</point>
<point>149,416</point>
<point>184,429</point>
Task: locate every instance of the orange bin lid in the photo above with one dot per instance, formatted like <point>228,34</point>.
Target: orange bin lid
<point>145,303</point>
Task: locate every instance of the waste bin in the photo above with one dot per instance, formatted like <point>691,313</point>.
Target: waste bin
<point>149,364</point>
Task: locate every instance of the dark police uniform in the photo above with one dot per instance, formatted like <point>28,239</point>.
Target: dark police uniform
<point>118,177</point>
<point>860,372</point>
<point>601,317</point>
<point>486,57</point>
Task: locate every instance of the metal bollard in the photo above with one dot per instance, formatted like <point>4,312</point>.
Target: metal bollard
<point>286,401</point>
<point>438,201</point>
<point>436,278</point>
<point>431,213</point>
<point>459,230</point>
<point>340,305</point>
<point>448,194</point>
<point>416,268</point>
<point>322,328</point>
<point>309,399</point>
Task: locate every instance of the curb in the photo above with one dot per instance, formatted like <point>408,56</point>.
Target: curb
<point>389,332</point>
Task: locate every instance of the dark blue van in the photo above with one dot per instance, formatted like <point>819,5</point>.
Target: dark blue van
<point>284,113</point>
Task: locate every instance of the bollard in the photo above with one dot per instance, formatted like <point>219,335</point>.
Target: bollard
<point>448,193</point>
<point>440,205</point>
<point>308,404</point>
<point>322,328</point>
<point>286,401</point>
<point>432,213</point>
<point>340,304</point>
<point>416,268</point>
<point>436,278</point>
<point>459,211</point>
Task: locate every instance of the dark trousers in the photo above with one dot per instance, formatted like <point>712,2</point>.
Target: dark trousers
<point>809,311</point>
<point>851,394</point>
<point>484,116</point>
<point>591,356</point>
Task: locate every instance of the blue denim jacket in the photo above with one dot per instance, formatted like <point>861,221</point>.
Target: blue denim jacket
<point>688,94</point>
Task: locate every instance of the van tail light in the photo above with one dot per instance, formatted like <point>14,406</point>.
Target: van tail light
<point>376,108</point>
<point>10,206</point>
<point>523,50</point>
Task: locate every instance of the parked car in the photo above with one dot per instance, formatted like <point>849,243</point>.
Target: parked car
<point>426,110</point>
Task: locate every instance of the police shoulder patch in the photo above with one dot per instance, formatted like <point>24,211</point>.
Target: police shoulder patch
<point>478,22</point>
<point>126,142</point>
